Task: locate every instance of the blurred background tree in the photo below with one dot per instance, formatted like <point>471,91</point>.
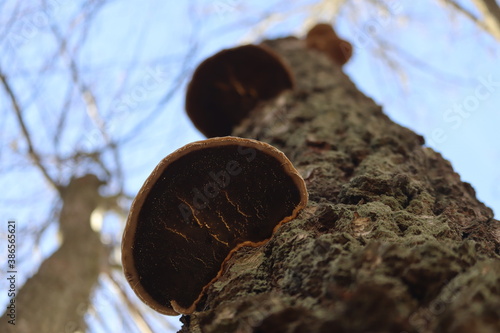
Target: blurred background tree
<point>96,87</point>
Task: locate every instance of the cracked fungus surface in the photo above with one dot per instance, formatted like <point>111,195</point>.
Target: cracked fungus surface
<point>196,208</point>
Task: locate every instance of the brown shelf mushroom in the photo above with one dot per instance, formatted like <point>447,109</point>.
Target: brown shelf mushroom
<point>199,205</point>
<point>227,86</point>
<point>323,38</point>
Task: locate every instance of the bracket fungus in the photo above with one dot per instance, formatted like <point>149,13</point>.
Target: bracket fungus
<point>323,38</point>
<point>199,205</point>
<point>227,86</point>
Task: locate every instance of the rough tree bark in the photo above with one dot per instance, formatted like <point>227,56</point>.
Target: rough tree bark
<point>391,241</point>
<point>56,298</point>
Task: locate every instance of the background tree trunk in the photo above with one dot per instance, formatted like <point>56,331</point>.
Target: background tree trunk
<point>56,298</point>
<point>391,241</point>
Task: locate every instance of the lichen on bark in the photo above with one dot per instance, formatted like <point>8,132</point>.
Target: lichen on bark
<point>391,241</point>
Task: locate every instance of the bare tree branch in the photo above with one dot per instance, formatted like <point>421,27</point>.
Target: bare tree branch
<point>458,7</point>
<point>58,133</point>
<point>387,47</point>
<point>491,16</point>
<point>91,106</point>
<point>31,150</point>
<point>184,71</point>
<point>137,316</point>
<point>490,11</point>
<point>7,27</point>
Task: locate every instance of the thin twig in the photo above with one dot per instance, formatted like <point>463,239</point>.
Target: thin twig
<point>422,65</point>
<point>184,71</point>
<point>137,317</point>
<point>458,7</point>
<point>489,25</point>
<point>91,107</point>
<point>31,150</point>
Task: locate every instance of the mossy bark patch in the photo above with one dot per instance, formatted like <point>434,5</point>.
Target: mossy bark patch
<point>391,241</point>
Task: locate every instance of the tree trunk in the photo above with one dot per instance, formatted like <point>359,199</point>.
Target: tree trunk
<point>56,298</point>
<point>391,240</point>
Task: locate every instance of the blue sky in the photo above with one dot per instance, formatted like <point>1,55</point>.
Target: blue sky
<point>134,52</point>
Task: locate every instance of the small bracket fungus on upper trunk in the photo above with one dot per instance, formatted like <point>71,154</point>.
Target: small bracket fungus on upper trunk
<point>226,86</point>
<point>199,205</point>
<point>323,38</point>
